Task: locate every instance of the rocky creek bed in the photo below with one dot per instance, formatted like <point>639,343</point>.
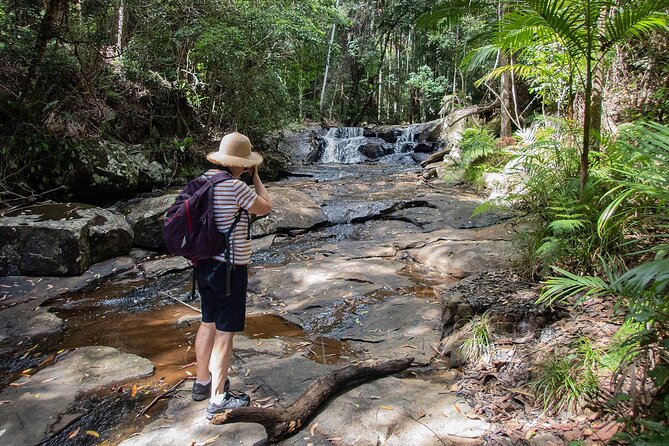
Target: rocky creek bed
<point>357,262</point>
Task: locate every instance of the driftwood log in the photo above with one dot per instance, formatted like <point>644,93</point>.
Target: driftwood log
<point>282,423</point>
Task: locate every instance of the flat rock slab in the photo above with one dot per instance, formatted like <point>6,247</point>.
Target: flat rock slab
<point>37,405</point>
<point>183,422</point>
<point>316,284</point>
<point>16,289</point>
<point>462,258</point>
<point>291,209</point>
<point>398,412</point>
<point>397,327</point>
<point>160,267</point>
<point>28,321</point>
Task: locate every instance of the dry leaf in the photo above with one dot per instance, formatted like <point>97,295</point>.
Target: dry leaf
<point>457,408</point>
<point>312,431</point>
<point>18,384</point>
<point>133,392</point>
<point>5,402</point>
<point>386,407</point>
<point>93,434</point>
<point>374,397</point>
<point>74,433</point>
<point>188,373</point>
<point>48,380</point>
<point>335,439</point>
<point>263,400</point>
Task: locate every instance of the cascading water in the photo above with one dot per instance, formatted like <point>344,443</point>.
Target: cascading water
<point>347,145</point>
<point>341,145</point>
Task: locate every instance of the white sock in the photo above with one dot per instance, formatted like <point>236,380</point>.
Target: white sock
<point>203,383</point>
<point>218,399</point>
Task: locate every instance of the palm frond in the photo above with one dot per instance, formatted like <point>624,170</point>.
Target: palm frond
<point>561,288</point>
<point>649,275</point>
<point>479,57</point>
<point>635,21</point>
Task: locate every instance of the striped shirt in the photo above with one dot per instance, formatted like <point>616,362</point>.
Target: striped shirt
<point>229,196</point>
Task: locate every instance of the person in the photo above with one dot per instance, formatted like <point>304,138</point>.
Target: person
<point>224,310</point>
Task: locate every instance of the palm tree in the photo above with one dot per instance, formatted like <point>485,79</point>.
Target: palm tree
<point>587,30</point>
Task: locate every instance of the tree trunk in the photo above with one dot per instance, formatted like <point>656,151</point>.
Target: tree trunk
<point>119,28</point>
<point>280,424</point>
<point>44,35</point>
<point>505,99</point>
<point>587,122</point>
<point>327,62</point>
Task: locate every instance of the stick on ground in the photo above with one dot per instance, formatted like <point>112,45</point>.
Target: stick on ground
<point>282,423</point>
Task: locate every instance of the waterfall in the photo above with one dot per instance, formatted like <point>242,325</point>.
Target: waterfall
<point>347,145</point>
<point>341,145</point>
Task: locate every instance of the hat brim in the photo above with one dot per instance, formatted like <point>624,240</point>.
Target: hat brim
<point>235,161</point>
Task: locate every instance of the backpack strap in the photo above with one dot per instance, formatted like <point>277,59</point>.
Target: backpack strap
<point>229,253</point>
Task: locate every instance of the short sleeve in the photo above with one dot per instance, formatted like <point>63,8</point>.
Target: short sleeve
<point>244,195</point>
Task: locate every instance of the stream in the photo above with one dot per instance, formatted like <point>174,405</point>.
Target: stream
<point>358,283</point>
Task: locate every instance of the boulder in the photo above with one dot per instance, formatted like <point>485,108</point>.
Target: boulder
<point>423,148</point>
<point>291,209</point>
<point>372,150</point>
<point>109,171</point>
<point>146,219</point>
<point>427,131</point>
<point>59,239</point>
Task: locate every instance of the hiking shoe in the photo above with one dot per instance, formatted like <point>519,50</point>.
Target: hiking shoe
<point>201,392</point>
<point>229,402</point>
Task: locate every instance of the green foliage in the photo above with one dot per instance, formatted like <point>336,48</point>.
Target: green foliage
<point>430,87</point>
<point>478,337</point>
<point>479,154</point>
<point>568,381</point>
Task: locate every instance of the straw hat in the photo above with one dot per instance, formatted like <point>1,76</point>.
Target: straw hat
<point>235,151</point>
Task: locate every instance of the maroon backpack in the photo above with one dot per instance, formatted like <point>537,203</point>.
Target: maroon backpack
<point>189,229</point>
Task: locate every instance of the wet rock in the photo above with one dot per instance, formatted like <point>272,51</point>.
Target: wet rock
<point>55,239</point>
<point>146,219</point>
<point>40,400</point>
<point>388,133</point>
<point>424,148</point>
<point>373,151</point>
<point>15,289</point>
<point>28,321</point>
<point>291,209</point>
<point>301,144</point>
<point>397,327</point>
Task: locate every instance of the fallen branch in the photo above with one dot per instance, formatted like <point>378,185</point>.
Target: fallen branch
<point>282,423</point>
<point>475,112</point>
<point>160,397</point>
<point>162,293</point>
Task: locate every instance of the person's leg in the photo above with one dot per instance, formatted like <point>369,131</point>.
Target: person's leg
<point>219,364</point>
<point>204,342</point>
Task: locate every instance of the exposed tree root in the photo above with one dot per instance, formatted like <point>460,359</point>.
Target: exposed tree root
<point>282,423</point>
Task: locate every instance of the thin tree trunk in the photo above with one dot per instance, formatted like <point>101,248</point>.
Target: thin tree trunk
<point>327,62</point>
<point>587,122</point>
<point>44,35</point>
<point>119,28</point>
<point>505,99</point>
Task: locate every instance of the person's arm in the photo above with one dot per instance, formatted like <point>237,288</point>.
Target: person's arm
<point>263,204</point>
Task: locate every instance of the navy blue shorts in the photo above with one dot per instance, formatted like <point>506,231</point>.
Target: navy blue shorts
<point>228,312</point>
